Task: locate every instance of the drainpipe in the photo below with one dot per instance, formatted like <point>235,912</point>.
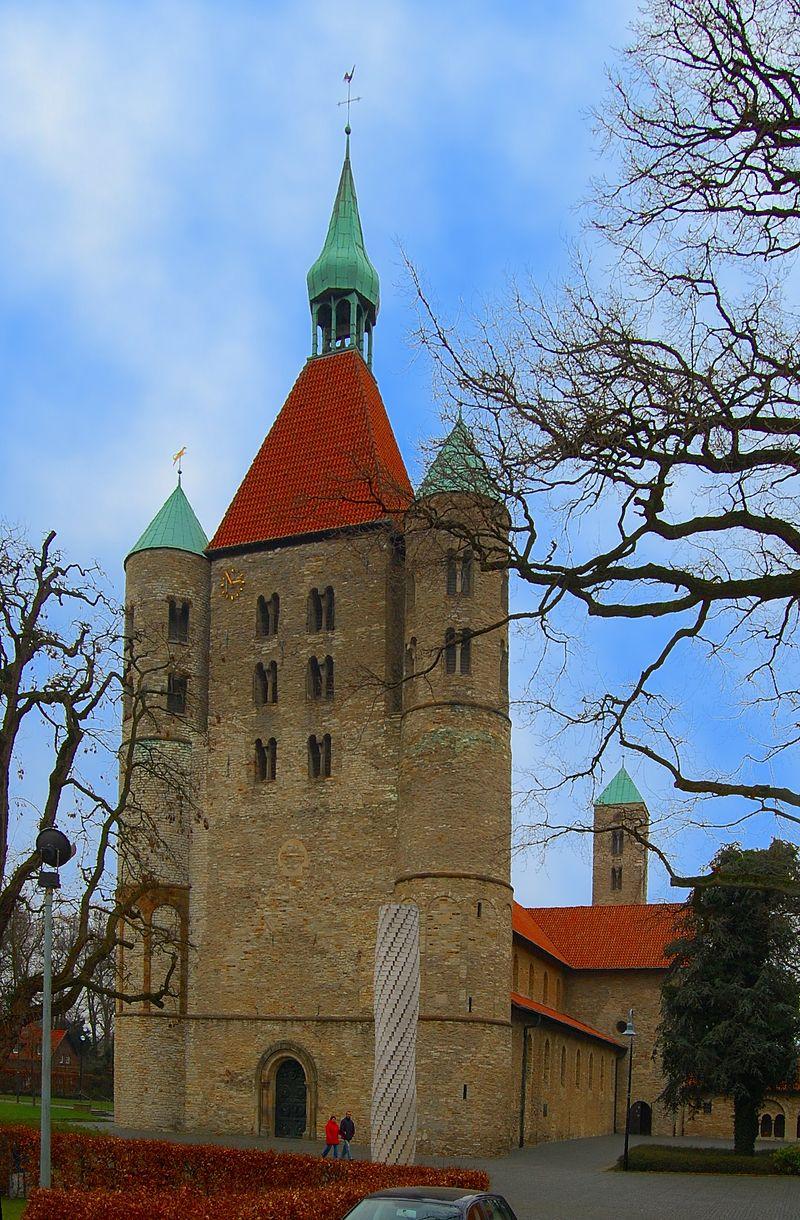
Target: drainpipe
<point>534,1025</point>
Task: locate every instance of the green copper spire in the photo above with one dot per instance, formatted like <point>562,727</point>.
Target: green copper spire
<point>175,527</point>
<point>458,467</point>
<point>621,791</point>
<point>343,285</point>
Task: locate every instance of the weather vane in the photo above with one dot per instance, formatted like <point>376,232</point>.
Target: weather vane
<point>178,457</point>
<point>348,77</point>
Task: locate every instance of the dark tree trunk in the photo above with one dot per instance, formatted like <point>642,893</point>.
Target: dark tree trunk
<point>745,1126</point>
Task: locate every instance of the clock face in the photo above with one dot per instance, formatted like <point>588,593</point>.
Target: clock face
<point>231,584</point>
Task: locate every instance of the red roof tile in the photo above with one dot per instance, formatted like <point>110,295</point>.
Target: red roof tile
<point>330,460</point>
<point>623,937</point>
<point>523,1001</point>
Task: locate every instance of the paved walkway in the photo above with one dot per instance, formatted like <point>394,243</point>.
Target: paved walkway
<point>571,1181</point>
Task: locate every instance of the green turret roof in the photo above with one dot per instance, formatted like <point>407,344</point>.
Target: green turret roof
<point>174,526</point>
<point>458,467</point>
<point>344,265</point>
<point>621,791</point>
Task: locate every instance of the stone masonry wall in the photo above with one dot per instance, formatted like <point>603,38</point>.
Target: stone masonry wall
<point>570,1083</point>
<point>632,860</point>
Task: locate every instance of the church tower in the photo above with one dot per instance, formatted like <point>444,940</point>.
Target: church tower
<point>619,859</point>
<point>455,801</point>
<point>166,629</point>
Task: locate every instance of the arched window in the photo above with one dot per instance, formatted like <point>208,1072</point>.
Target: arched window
<point>261,761</point>
<point>530,979</point>
<point>779,1127</point>
<point>563,1065</point>
<point>328,609</point>
<point>515,974</point>
<point>617,841</point>
<point>314,615</point>
<point>452,574</point>
<point>314,679</point>
<point>591,1070</point>
<point>327,678</point>
<point>465,664</point>
<point>546,1062</point>
<point>267,613</point>
<point>545,987</point>
<point>558,991</point>
<point>260,686</point>
<point>766,1126</point>
<point>450,651</point>
<point>177,687</point>
<point>602,1075</point>
<point>178,622</point>
<point>616,877</point>
<point>466,573</point>
<point>319,757</point>
<point>577,1069</point>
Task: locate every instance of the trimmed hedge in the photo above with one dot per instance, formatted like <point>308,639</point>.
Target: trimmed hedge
<point>322,1203</point>
<point>101,1177</point>
<point>667,1158</point>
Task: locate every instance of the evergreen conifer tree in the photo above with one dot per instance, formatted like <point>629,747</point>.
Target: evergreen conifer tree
<point>731,999</point>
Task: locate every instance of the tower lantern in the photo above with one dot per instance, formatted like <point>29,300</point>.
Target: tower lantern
<point>343,285</point>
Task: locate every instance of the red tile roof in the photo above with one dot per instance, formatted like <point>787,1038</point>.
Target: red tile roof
<point>330,460</point>
<point>623,937</point>
<point>30,1037</point>
<point>523,1001</point>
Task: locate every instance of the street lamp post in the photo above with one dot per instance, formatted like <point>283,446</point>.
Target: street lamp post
<point>629,1032</point>
<point>54,849</point>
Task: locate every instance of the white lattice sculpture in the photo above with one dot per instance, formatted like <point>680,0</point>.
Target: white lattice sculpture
<point>394,1086</point>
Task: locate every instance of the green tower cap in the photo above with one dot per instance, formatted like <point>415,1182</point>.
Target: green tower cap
<point>458,467</point>
<point>174,526</point>
<point>621,791</point>
<point>343,265</point>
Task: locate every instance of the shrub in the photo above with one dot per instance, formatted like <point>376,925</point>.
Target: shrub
<point>787,1160</point>
<point>322,1203</point>
<point>668,1158</point>
<point>102,1163</point>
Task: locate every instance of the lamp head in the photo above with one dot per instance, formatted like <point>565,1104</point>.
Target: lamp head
<point>629,1031</point>
<point>54,847</point>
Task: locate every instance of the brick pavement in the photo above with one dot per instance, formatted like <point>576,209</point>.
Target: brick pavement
<point>570,1180</point>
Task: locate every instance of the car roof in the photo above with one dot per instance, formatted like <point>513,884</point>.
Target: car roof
<point>449,1194</point>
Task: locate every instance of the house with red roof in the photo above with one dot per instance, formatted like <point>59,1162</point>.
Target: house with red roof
<point>328,674</point>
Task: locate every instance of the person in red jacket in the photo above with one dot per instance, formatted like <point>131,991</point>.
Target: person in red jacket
<point>332,1137</point>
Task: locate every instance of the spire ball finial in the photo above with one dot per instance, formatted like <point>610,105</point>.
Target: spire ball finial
<point>348,130</point>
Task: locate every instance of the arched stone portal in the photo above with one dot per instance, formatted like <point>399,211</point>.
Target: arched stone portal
<point>641,1118</point>
<point>286,1088</point>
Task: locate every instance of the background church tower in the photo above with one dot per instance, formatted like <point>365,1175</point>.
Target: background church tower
<point>619,860</point>
<point>167,623</point>
<point>455,802</point>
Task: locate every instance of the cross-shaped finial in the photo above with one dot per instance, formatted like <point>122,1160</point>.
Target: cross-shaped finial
<point>348,76</point>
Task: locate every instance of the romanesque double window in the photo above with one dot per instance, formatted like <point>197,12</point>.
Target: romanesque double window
<point>177,687</point>
<point>459,573</point>
<point>177,622</point>
<point>617,841</point>
<point>267,614</point>
<point>616,877</point>
<point>266,760</point>
<point>457,651</point>
<point>319,678</point>
<point>265,683</point>
<point>321,611</point>
<point>319,757</point>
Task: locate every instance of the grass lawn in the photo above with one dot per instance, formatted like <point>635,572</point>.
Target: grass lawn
<point>13,1208</point>
<point>63,1111</point>
<point>668,1158</point>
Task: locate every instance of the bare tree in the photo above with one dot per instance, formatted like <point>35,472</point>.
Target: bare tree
<point>641,421</point>
<point>62,680</point>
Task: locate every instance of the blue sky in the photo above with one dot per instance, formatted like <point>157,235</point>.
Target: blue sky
<point>168,173</point>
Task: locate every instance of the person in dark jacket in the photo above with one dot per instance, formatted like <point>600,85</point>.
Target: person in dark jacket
<point>332,1137</point>
<point>347,1130</point>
